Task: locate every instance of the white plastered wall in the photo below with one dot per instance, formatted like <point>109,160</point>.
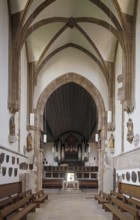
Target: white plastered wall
<point>4,113</point>
<point>71,60</point>
<point>93,155</point>
<point>10,149</point>
<point>48,155</point>
<point>28,175</point>
<point>129,160</point>
<point>118,106</point>
<point>135,114</point>
<point>23,96</point>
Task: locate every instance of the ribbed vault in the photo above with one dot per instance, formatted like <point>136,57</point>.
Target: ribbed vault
<point>94,27</point>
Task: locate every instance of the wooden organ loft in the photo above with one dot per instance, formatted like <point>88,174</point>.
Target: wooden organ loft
<point>71,152</point>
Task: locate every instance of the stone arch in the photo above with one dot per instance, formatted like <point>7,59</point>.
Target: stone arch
<point>78,79</point>
<point>55,84</point>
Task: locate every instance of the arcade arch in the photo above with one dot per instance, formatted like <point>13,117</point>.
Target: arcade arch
<point>92,90</point>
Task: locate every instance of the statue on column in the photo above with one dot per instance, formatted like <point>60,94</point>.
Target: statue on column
<point>111,141</point>
<point>29,142</point>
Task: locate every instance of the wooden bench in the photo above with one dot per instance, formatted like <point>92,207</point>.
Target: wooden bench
<point>10,189</point>
<point>12,199</point>
<point>121,210</point>
<point>133,202</point>
<point>52,183</point>
<point>102,197</point>
<point>88,184</point>
<point>9,200</point>
<point>130,190</point>
<point>39,197</point>
<point>117,195</point>
<point>27,193</point>
<point>18,210</point>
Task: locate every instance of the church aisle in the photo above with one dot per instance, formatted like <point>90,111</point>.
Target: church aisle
<point>70,205</point>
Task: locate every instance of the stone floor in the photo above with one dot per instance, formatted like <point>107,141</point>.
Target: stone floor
<point>70,205</point>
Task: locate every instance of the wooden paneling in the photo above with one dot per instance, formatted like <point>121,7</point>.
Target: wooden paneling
<point>88,184</point>
<point>10,188</point>
<point>129,189</point>
<point>52,183</point>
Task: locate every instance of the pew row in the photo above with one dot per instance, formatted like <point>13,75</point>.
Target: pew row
<point>52,183</point>
<point>39,197</point>
<point>88,184</point>
<point>117,195</point>
<point>130,190</point>
<point>10,189</point>
<point>133,202</point>
<point>102,197</point>
<point>121,210</point>
<point>18,210</point>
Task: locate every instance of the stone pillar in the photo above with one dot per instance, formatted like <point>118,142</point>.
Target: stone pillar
<point>100,169</point>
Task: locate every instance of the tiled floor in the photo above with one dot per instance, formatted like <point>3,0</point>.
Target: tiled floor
<point>70,205</point>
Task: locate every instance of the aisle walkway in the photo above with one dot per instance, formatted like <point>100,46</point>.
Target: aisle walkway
<point>70,205</point>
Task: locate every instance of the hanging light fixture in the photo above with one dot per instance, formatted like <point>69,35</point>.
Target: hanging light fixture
<point>96,137</point>
<point>45,135</point>
<point>44,138</point>
<point>109,117</point>
<point>32,119</point>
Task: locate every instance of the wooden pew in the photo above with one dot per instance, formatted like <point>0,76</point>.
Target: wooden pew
<point>8,193</point>
<point>117,195</point>
<point>39,197</point>
<point>10,189</point>
<point>12,199</point>
<point>102,197</point>
<point>27,193</point>
<point>18,210</point>
<point>52,183</point>
<point>7,201</point>
<point>121,210</point>
<point>88,184</point>
<point>130,190</point>
<point>133,202</point>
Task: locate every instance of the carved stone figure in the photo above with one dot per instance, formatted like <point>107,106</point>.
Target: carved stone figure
<point>130,133</point>
<point>111,141</point>
<point>29,142</point>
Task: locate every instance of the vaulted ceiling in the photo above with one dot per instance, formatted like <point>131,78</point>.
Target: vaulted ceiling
<point>93,27</point>
<point>70,109</point>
